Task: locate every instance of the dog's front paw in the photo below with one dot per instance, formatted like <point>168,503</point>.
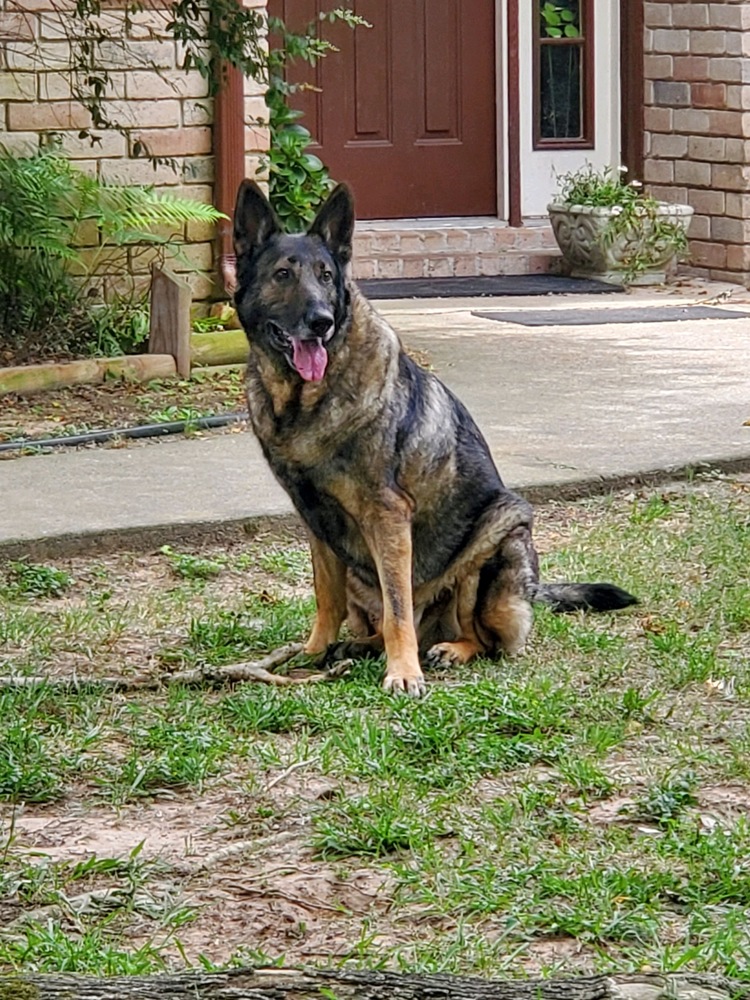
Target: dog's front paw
<point>405,680</point>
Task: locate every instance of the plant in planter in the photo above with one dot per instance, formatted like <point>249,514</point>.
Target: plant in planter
<point>608,228</point>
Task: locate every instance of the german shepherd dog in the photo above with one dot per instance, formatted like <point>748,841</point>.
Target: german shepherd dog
<point>413,534</point>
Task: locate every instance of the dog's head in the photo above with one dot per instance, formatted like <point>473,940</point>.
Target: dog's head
<point>291,294</point>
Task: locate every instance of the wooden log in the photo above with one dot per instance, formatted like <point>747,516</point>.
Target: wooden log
<point>169,322</point>
<point>27,379</point>
<point>219,347</point>
<point>294,984</point>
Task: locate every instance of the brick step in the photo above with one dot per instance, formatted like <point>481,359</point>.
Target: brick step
<point>465,247</point>
<point>451,263</point>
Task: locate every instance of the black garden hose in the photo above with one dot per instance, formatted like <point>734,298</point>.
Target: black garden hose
<point>146,431</point>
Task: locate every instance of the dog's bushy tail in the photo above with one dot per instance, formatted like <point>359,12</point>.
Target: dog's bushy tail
<point>583,596</point>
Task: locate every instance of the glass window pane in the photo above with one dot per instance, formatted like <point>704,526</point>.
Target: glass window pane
<point>561,92</point>
<point>561,19</point>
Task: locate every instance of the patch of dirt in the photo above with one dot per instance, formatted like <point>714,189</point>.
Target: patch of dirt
<point>722,805</point>
<point>167,830</point>
<point>251,888</point>
<point>119,404</point>
<point>619,809</point>
<point>547,953</point>
<point>304,910</point>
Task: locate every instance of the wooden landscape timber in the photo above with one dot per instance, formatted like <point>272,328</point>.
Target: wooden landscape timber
<point>206,350</point>
<point>173,350</point>
<point>219,347</point>
<point>170,328</point>
<point>295,984</point>
<point>26,379</point>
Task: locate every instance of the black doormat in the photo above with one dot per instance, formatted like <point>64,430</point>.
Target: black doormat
<point>501,284</point>
<point>601,317</point>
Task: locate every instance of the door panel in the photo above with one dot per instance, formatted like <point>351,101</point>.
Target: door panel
<point>442,70</point>
<point>406,110</point>
<point>371,61</point>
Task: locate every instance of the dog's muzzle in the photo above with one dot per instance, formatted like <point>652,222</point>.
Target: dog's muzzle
<point>306,354</point>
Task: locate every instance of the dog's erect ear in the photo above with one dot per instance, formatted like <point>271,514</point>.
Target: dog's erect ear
<point>334,223</point>
<point>254,219</point>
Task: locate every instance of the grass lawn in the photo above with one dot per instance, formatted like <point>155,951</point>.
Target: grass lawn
<point>583,807</point>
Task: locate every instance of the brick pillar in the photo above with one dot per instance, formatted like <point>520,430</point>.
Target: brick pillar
<point>697,126</point>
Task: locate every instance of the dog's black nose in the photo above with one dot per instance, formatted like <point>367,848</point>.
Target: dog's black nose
<point>320,324</point>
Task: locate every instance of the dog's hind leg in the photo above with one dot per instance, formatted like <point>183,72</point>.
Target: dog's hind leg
<point>329,575</point>
<point>468,644</point>
<point>508,583</point>
<point>510,618</point>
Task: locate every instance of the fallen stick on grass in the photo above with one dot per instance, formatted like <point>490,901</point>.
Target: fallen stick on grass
<point>262,671</point>
<point>98,903</point>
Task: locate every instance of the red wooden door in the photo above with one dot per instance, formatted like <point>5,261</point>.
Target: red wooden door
<point>406,109</point>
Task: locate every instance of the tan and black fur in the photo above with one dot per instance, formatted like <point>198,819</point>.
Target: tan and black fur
<point>413,534</point>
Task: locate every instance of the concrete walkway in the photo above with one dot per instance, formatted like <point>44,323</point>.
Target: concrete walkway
<point>559,406</point>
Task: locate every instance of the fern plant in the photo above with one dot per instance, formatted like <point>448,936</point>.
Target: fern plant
<point>38,302</point>
<point>49,296</point>
<point>29,187</point>
<point>125,215</point>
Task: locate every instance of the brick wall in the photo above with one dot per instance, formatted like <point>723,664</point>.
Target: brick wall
<point>156,103</point>
<point>697,121</point>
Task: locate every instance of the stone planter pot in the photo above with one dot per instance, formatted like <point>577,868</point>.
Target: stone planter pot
<point>580,234</point>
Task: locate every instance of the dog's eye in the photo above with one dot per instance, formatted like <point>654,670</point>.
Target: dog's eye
<point>326,277</point>
<point>282,273</point>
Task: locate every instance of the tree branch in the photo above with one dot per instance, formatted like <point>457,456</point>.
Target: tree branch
<point>263,671</point>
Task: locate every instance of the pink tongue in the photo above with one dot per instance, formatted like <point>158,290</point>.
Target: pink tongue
<point>310,359</point>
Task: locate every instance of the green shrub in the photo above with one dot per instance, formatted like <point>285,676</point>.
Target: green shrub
<point>37,298</point>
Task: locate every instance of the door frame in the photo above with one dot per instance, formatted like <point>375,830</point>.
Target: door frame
<point>632,84</point>
<point>632,99</point>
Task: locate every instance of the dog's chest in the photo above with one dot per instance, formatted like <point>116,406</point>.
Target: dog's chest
<point>305,423</point>
<point>284,417</point>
